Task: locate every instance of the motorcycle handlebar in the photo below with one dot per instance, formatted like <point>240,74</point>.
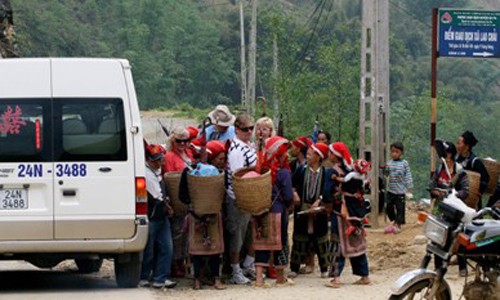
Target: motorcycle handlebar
<point>484,211</point>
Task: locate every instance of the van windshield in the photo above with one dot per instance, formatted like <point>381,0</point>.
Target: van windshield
<point>25,130</point>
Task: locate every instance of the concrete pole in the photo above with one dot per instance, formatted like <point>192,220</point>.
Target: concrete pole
<point>374,93</point>
<point>252,57</point>
<point>244,92</point>
<point>276,105</point>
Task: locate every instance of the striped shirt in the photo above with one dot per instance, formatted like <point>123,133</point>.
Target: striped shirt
<point>400,180</point>
<point>240,155</point>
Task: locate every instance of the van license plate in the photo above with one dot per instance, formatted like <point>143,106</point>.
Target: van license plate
<point>11,199</point>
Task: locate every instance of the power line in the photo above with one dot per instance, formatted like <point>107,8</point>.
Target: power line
<point>409,14</point>
<point>298,59</point>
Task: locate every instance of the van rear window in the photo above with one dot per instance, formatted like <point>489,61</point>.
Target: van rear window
<point>89,130</point>
<point>25,130</point>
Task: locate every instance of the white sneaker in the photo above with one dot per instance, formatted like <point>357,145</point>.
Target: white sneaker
<point>324,274</point>
<point>239,278</point>
<point>144,283</point>
<point>169,284</point>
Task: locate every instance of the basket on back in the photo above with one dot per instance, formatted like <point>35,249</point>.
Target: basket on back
<point>253,195</point>
<point>474,180</point>
<point>206,193</point>
<point>493,168</point>
<point>173,180</point>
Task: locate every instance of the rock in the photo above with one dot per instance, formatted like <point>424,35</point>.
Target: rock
<point>420,240</point>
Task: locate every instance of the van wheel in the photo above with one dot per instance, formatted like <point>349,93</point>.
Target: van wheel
<point>128,270</point>
<point>87,266</point>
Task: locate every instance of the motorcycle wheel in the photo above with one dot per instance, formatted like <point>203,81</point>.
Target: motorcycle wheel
<point>420,288</point>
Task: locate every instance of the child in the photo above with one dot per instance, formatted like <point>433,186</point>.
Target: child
<point>399,186</point>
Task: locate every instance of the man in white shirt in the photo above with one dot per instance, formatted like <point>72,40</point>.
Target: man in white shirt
<point>241,154</point>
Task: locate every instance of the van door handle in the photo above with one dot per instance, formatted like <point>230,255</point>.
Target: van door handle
<point>105,169</point>
<point>69,193</point>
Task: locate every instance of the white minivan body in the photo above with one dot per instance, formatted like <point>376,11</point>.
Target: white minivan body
<point>72,164</point>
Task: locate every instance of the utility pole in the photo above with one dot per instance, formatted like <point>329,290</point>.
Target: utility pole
<point>244,92</point>
<point>276,105</point>
<point>374,93</point>
<point>252,57</point>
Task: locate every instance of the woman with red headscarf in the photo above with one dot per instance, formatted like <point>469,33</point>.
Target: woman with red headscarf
<point>348,201</point>
<point>205,232</point>
<point>310,230</point>
<point>276,159</point>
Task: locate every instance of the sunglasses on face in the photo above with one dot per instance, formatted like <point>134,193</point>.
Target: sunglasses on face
<point>246,129</point>
<point>178,141</point>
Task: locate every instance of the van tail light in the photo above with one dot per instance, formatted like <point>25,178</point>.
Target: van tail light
<point>38,138</point>
<point>141,196</point>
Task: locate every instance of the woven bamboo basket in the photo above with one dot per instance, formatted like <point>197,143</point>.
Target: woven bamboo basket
<point>474,180</point>
<point>493,168</point>
<point>206,193</point>
<point>253,195</point>
<point>173,180</point>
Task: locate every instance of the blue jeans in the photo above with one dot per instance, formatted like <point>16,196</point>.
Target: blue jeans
<point>157,257</point>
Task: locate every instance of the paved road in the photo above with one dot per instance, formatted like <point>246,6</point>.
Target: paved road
<point>19,280</point>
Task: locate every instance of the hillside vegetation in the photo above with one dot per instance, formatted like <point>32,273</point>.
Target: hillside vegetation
<point>187,53</point>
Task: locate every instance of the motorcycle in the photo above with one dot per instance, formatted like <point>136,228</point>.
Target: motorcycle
<point>456,231</point>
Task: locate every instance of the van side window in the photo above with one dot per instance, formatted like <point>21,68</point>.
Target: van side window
<point>25,131</point>
<point>89,130</point>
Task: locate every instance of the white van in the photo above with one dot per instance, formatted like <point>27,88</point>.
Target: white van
<point>72,165</point>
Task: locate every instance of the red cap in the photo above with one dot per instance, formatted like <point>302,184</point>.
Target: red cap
<point>196,145</point>
<point>193,132</point>
<point>215,148</point>
<point>321,149</point>
<point>302,142</point>
<point>155,152</point>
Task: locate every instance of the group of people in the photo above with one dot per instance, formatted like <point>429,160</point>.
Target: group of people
<point>321,186</point>
<point>451,174</point>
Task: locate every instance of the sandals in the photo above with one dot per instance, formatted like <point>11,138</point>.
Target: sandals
<point>197,285</point>
<point>264,285</point>
<point>306,270</point>
<point>219,287</point>
<point>362,281</point>
<point>333,284</point>
<point>288,282</point>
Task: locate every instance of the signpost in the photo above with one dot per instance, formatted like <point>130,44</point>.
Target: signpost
<point>460,33</point>
<point>469,33</point>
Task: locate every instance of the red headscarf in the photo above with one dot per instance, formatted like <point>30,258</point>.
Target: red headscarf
<point>362,166</point>
<point>320,149</point>
<point>275,149</point>
<point>340,150</point>
<point>215,148</point>
<point>193,132</point>
<point>302,142</point>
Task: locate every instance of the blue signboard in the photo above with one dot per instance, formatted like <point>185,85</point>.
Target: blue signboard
<point>469,33</point>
